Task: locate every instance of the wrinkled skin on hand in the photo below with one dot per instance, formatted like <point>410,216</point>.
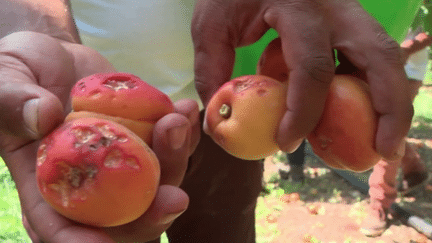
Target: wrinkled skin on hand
<point>310,30</point>
<point>36,74</point>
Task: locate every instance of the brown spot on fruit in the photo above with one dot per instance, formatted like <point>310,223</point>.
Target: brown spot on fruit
<point>81,86</point>
<point>324,141</point>
<point>104,141</point>
<point>74,176</point>
<point>261,92</point>
<point>225,111</point>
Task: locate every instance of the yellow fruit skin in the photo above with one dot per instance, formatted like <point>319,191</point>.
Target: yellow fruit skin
<point>257,105</point>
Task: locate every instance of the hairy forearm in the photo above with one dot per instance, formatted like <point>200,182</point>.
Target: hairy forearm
<point>51,17</point>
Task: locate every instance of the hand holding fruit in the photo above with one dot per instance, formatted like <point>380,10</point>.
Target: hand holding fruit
<point>92,169</point>
<point>309,31</point>
<point>343,138</point>
<point>36,84</point>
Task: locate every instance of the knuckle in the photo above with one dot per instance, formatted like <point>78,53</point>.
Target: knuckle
<point>208,21</point>
<point>388,48</point>
<point>320,68</point>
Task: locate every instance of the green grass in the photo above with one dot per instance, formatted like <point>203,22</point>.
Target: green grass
<point>11,229</point>
<point>423,105</point>
<point>428,77</point>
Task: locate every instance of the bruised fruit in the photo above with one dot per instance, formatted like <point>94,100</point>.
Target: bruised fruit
<point>120,95</point>
<point>97,172</point>
<point>244,114</point>
<point>142,129</point>
<point>97,168</point>
<point>123,98</point>
<point>345,135</point>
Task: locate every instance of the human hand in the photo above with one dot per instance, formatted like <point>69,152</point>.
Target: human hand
<point>411,46</point>
<point>36,75</point>
<point>309,32</point>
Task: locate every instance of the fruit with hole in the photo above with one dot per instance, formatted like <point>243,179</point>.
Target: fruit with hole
<point>120,94</point>
<point>244,114</point>
<point>123,98</point>
<point>97,172</point>
<point>143,129</point>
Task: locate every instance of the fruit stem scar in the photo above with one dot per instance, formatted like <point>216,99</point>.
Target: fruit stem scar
<point>225,111</point>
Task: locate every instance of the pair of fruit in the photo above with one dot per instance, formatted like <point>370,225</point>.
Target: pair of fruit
<point>97,168</point>
<point>244,115</point>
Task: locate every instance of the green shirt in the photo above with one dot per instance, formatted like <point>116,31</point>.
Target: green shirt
<point>395,16</point>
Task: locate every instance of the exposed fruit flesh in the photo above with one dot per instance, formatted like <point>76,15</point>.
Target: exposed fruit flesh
<point>89,168</point>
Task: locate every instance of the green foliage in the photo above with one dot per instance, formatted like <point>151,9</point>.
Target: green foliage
<point>423,105</point>
<point>11,228</point>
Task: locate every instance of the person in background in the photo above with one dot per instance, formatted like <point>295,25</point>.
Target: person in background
<point>296,161</point>
<point>383,186</point>
<point>186,49</point>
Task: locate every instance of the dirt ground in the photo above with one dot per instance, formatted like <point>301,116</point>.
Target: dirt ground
<point>326,208</point>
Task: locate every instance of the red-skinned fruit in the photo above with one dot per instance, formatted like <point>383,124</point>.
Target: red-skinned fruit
<point>97,172</point>
<point>120,95</point>
<point>344,137</point>
<point>123,98</point>
<point>143,129</point>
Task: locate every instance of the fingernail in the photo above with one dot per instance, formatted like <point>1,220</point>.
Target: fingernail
<point>177,136</point>
<point>401,149</point>
<point>30,115</point>
<point>294,146</point>
<point>170,217</point>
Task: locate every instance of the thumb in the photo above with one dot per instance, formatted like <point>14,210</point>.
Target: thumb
<point>28,110</point>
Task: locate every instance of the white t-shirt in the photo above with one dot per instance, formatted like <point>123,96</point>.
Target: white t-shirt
<point>148,38</point>
<point>416,65</point>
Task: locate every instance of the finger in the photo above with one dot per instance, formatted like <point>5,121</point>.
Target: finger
<point>380,57</point>
<point>35,79</point>
<point>30,232</point>
<point>170,202</point>
<point>307,53</point>
<point>214,51</point>
<point>45,222</point>
<point>40,59</point>
<point>215,39</point>
<point>31,110</point>
<point>190,109</point>
<point>171,143</point>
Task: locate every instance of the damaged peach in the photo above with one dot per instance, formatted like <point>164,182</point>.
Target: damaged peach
<point>244,114</point>
<point>89,168</point>
<point>123,98</point>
